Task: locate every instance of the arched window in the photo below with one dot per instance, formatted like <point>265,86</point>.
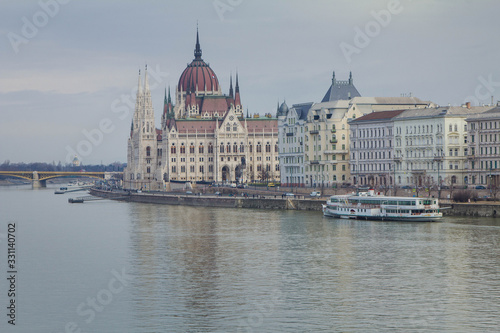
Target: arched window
<point>200,148</point>
<point>210,148</point>
<point>173,150</point>
<point>148,151</point>
<point>242,147</point>
<point>221,147</point>
<point>259,147</point>
<point>268,148</point>
<point>235,147</point>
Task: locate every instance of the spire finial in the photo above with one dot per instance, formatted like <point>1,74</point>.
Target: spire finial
<point>139,84</point>
<point>237,87</point>
<point>146,80</point>
<point>197,50</point>
<point>231,85</point>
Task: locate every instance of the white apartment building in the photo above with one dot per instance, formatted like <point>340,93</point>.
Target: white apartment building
<point>372,149</point>
<point>484,148</point>
<point>291,124</point>
<point>430,146</point>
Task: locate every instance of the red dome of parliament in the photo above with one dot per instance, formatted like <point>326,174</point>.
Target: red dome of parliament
<point>198,74</point>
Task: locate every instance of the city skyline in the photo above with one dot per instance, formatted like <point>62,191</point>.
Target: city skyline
<point>70,67</point>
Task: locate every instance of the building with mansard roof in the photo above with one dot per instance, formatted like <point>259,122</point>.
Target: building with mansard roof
<point>204,136</point>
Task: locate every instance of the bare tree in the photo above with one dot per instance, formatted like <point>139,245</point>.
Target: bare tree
<point>263,175</point>
<point>494,188</point>
<point>428,185</point>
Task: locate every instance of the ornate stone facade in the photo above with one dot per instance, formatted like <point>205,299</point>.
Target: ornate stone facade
<point>204,137</point>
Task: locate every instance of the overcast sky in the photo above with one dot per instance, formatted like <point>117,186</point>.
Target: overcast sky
<point>70,67</point>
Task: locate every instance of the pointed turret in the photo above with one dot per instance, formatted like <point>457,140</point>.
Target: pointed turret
<point>231,85</point>
<point>148,104</point>
<point>193,95</point>
<point>139,84</point>
<point>237,100</point>
<point>139,102</point>
<point>146,81</point>
<point>350,78</point>
<point>165,105</point>
<point>197,49</point>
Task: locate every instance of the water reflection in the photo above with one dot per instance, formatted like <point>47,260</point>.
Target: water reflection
<point>218,270</point>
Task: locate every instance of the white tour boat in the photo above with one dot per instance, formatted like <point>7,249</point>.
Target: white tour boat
<point>371,206</point>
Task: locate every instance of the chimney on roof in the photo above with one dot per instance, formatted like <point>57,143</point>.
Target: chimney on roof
<point>468,105</point>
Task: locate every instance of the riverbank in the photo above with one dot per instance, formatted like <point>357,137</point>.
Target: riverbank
<point>273,200</point>
<point>254,201</point>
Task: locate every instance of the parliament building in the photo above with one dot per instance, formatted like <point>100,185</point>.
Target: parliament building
<point>203,138</point>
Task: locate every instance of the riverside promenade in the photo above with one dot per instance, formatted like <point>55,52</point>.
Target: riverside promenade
<point>270,200</point>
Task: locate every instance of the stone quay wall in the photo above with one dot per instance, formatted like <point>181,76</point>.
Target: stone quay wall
<point>258,202</point>
<point>479,209</point>
<point>473,209</point>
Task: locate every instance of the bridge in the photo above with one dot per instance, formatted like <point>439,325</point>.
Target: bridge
<point>39,179</point>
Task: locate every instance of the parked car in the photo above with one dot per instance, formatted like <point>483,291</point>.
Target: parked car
<point>189,192</point>
<point>289,194</point>
<point>270,184</point>
<point>315,194</point>
<point>480,187</point>
<point>406,187</point>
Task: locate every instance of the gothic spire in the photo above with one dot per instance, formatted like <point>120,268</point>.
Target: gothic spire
<point>237,100</point>
<point>197,49</point>
<point>139,84</point>
<point>231,85</point>
<point>146,81</point>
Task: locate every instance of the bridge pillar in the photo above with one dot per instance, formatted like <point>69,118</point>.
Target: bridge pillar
<point>37,183</point>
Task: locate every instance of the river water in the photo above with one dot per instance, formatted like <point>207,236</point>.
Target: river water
<point>109,266</point>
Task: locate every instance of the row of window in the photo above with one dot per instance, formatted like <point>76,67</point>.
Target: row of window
<point>222,149</point>
<point>201,168</point>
